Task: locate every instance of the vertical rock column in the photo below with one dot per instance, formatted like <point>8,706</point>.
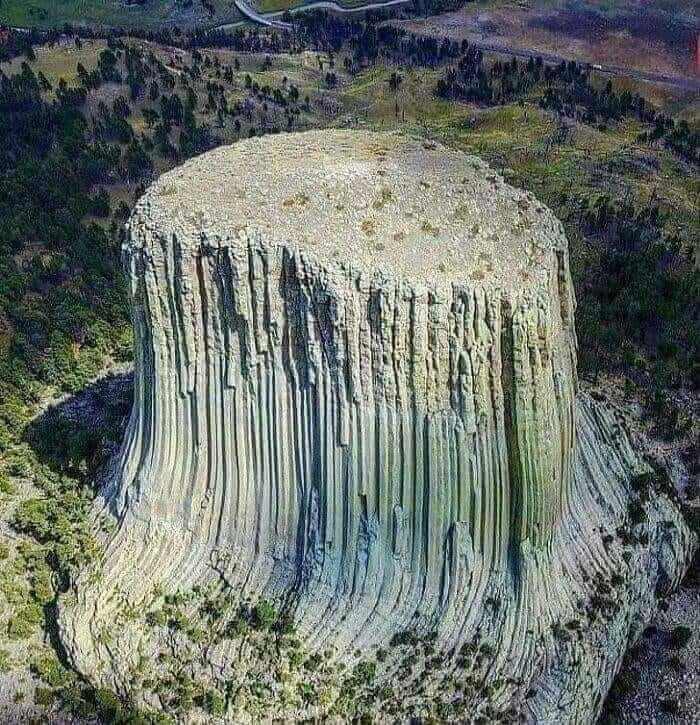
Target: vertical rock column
<point>355,387</point>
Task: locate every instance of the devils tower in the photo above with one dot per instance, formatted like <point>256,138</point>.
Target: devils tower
<point>356,397</point>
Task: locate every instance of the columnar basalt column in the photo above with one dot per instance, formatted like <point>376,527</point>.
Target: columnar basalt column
<point>356,388</point>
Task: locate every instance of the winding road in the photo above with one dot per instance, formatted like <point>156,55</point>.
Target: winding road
<point>274,20</point>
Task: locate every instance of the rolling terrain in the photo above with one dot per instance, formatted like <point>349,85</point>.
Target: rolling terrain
<point>649,38</point>
<point>146,14</point>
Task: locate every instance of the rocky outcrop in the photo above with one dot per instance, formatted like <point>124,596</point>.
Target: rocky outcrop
<point>356,394</point>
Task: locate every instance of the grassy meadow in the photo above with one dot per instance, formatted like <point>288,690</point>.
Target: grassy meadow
<point>151,14</point>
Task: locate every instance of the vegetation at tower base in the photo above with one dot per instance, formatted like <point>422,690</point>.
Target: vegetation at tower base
<point>628,245</point>
<point>356,402</point>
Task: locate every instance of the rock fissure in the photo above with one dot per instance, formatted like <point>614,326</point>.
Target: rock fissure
<point>363,402</point>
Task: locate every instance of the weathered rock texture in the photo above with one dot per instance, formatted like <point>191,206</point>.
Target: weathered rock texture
<point>356,389</point>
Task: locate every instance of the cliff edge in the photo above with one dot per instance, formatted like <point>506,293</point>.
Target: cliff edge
<point>356,398</point>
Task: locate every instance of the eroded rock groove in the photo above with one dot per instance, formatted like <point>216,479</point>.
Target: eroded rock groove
<point>356,391</point>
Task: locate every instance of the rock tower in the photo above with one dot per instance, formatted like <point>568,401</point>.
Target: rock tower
<point>356,393</point>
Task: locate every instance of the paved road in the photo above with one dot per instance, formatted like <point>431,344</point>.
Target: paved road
<point>251,13</point>
<point>330,5</point>
<point>273,20</point>
<point>687,84</point>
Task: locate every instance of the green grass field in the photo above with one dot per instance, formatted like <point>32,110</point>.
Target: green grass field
<point>273,6</point>
<point>60,61</point>
<point>114,13</point>
<point>523,142</point>
<point>118,13</point>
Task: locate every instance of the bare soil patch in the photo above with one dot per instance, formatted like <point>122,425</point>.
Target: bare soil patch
<point>641,37</point>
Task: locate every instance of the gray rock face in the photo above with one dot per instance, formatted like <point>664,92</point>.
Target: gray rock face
<point>356,389</point>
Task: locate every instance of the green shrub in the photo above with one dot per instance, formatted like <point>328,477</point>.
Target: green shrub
<point>680,636</point>
<point>60,522</point>
<point>42,590</point>
<point>44,696</point>
<point>364,672</point>
<point>236,627</point>
<point>264,615</point>
<point>107,704</point>
<point>213,703</point>
<point>50,671</point>
<point>25,621</point>
<point>17,466</point>
<point>7,488</point>
<point>157,618</point>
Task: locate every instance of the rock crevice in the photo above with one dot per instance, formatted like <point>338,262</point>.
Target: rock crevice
<point>356,389</point>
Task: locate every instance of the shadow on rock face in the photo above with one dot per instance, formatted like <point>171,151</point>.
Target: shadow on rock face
<point>379,438</point>
<point>78,434</point>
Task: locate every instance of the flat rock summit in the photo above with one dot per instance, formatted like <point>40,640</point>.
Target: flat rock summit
<point>356,399</point>
<point>379,202</point>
